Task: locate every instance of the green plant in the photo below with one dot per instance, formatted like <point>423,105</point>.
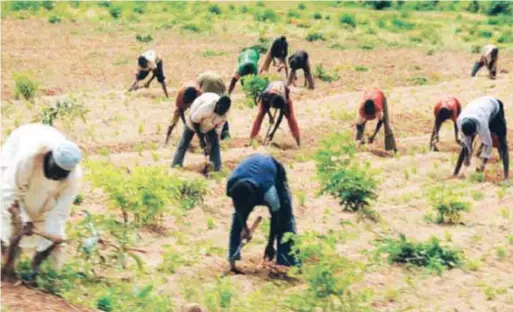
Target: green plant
<point>115,12</point>
<point>429,254</point>
<point>25,86</point>
<point>171,261</point>
<point>317,16</point>
<point>506,36</point>
<point>485,34</point>
<point>301,6</point>
<point>54,19</point>
<point>501,253</point>
<point>253,86</point>
<point>499,7</point>
<point>325,75</point>
<point>78,200</point>
<point>447,204</point>
<point>212,53</point>
<point>379,5</point>
<point>66,110</point>
<point>293,13</point>
<point>360,68</point>
<point>367,46</point>
<point>267,15</point>
<point>143,38</point>
<point>215,9</point>
<point>220,297</point>
<point>315,36</point>
<point>476,177</point>
<point>348,19</point>
<point>418,81</point>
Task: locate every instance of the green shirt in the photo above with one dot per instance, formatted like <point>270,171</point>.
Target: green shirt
<point>248,62</point>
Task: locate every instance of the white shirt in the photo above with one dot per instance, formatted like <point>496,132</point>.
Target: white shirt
<point>202,112</point>
<point>152,58</point>
<point>45,202</point>
<point>481,110</point>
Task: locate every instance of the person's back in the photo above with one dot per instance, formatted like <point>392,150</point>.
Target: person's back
<point>261,169</point>
<point>211,82</point>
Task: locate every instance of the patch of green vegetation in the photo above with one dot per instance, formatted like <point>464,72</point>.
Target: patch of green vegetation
<point>419,81</point>
<point>66,110</point>
<point>429,254</point>
<point>447,204</point>
<point>213,53</point>
<point>315,36</point>
<point>54,19</point>
<point>317,16</point>
<point>253,86</point>
<point>325,74</point>
<point>143,38</point>
<point>215,9</point>
<point>361,68</point>
<point>25,86</point>
<point>267,15</point>
<point>348,19</point>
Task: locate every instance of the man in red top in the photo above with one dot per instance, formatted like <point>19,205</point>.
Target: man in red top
<point>184,98</point>
<point>276,96</point>
<point>448,108</point>
<point>374,106</point>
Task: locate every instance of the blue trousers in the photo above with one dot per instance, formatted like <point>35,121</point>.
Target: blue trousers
<point>188,135</point>
<point>282,221</point>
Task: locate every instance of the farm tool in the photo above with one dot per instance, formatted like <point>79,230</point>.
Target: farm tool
<point>270,133</point>
<point>246,240</point>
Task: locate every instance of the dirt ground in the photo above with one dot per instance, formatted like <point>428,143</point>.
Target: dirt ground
<point>128,129</point>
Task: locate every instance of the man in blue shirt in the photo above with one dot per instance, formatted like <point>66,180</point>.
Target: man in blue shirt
<point>261,180</point>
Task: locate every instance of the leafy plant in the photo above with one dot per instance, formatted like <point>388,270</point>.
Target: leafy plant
<point>447,204</point>
<point>25,86</point>
<point>253,86</point>
<point>171,261</point>
<point>301,6</point>
<point>429,254</point>
<point>317,16</point>
<point>66,110</point>
<point>115,12</point>
<point>143,38</point>
<point>212,53</point>
<point>348,19</point>
<point>379,5</point>
<point>267,15</point>
<point>325,75</point>
<point>54,19</point>
<point>215,9</point>
<point>220,297</point>
<point>315,36</point>
<point>499,7</point>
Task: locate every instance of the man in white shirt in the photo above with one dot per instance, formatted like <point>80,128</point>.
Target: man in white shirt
<point>150,61</point>
<point>206,118</point>
<point>484,116</point>
<point>489,59</point>
<point>41,177</point>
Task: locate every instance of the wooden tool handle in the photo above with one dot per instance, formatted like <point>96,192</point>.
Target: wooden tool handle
<point>255,224</point>
<point>54,238</point>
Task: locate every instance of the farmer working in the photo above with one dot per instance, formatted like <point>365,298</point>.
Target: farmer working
<point>261,180</point>
<point>276,96</point>
<point>149,61</point>
<point>300,60</point>
<point>489,59</point>
<point>374,106</point>
<point>41,177</point>
<point>448,108</point>
<point>207,116</point>
<point>483,116</point>
<point>278,50</point>
<point>247,64</point>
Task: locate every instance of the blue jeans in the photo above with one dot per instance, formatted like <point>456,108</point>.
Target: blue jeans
<point>211,137</point>
<point>282,221</point>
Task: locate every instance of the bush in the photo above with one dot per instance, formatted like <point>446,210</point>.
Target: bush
<point>348,19</point>
<point>140,8</point>
<point>344,177</point>
<point>301,6</point>
<point>143,38</point>
<point>219,297</point>
<point>192,27</point>
<point>253,86</point>
<point>379,5</point>
<point>24,5</point>
<point>49,5</point>
<point>66,110</point>
<point>317,16</point>
<point>323,74</point>
<point>499,7</point>
<point>267,15</point>
<point>315,36</point>
<point>105,4</point>
<point>293,13</point>
<point>215,9</point>
<point>485,34</point>
<point>447,204</point>
<point>115,12</point>
<point>428,254</point>
<point>54,19</point>
<point>399,24</point>
<point>25,86</point>
<point>506,36</point>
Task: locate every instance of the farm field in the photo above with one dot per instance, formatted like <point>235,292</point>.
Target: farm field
<point>171,253</point>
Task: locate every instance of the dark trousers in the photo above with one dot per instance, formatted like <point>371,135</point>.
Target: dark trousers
<point>188,135</point>
<point>282,221</point>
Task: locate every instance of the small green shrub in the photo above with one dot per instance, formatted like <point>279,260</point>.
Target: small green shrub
<point>219,297</point>
<point>360,68</point>
<point>367,46</point>
<point>428,254</point>
<point>25,5</point>
<point>399,24</point>
<point>105,4</point>
<point>171,261</point>
<point>212,53</point>
<point>325,75</point>
<point>506,36</point>
<point>115,12</point>
<point>143,38</point>
<point>447,204</point>
<point>253,86</point>
<point>267,15</point>
<point>315,36</point>
<point>78,200</point>
<point>140,8</point>
<point>215,9</point>
<point>67,110</point>
<point>348,19</point>
<point>54,19</point>
<point>418,81</point>
<point>301,6</point>
<point>499,7</point>
<point>317,16</point>
<point>25,86</point>
<point>485,34</point>
<point>193,27</point>
<point>379,5</point>
<point>49,5</point>
<point>293,13</point>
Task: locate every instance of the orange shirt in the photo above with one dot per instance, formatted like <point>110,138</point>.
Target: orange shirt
<point>179,96</point>
<point>450,103</point>
<point>378,97</point>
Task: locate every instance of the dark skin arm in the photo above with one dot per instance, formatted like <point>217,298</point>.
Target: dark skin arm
<point>134,86</point>
<point>13,252</point>
<point>270,252</point>
<point>146,85</point>
<point>201,136</point>
<point>456,133</point>
<point>232,85</point>
<point>278,122</point>
<point>464,157</point>
<point>378,126</point>
<point>164,88</point>
<point>434,136</point>
<point>359,132</point>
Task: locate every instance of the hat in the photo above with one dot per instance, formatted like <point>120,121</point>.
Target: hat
<point>67,155</point>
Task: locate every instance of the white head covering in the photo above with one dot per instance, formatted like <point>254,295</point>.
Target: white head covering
<point>67,155</point>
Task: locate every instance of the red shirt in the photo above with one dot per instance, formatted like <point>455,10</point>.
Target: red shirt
<point>378,97</point>
<point>179,96</point>
<point>450,103</point>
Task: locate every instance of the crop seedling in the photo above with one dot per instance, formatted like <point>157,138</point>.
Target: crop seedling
<point>315,36</point>
<point>25,86</point>
<point>429,254</point>
<point>348,19</point>
<point>325,75</point>
<point>253,86</point>
<point>143,38</point>
<point>66,110</point>
<point>447,204</point>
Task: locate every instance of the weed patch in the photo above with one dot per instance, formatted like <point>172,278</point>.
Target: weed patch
<point>67,110</point>
<point>253,86</point>
<point>25,86</point>
<point>447,204</point>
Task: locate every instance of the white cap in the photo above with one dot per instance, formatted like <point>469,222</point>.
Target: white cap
<point>67,155</point>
